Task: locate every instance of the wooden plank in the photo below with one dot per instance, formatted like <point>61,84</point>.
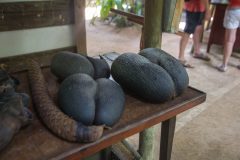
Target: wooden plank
<point>25,15</point>
<point>130,16</point>
<point>4,1</point>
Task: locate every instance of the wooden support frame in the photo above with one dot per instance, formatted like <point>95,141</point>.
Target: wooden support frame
<point>80,28</point>
<point>167,134</point>
<point>151,37</point>
<point>130,16</point>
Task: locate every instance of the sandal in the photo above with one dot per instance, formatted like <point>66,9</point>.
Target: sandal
<point>222,68</point>
<point>201,56</point>
<point>186,64</point>
<point>238,66</point>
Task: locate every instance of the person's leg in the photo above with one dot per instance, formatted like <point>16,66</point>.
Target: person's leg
<point>230,37</point>
<point>182,47</point>
<point>196,39</point>
<point>198,31</point>
<point>231,24</point>
<point>189,29</point>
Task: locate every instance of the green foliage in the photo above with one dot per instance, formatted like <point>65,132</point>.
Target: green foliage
<point>121,21</point>
<point>138,8</point>
<point>119,4</point>
<point>106,5</point>
<point>133,6</point>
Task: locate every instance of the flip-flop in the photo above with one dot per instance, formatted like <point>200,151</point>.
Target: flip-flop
<point>202,56</point>
<point>222,68</point>
<point>186,64</point>
<point>238,66</point>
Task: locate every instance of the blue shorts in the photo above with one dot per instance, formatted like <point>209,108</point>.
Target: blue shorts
<point>193,19</point>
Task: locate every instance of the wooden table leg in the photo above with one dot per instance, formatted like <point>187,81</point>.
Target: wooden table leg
<point>167,134</point>
<point>106,154</point>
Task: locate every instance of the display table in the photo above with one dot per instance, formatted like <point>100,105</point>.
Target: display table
<point>218,31</point>
<point>35,142</point>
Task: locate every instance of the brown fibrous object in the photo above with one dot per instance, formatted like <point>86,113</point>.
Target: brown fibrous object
<point>59,123</point>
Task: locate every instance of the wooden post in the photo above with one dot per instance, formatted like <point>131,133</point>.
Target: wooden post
<point>152,24</point>
<point>172,12</point>
<point>167,133</point>
<point>152,34</point>
<point>146,143</point>
<point>80,28</point>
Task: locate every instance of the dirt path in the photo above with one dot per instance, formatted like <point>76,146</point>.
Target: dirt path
<point>102,38</point>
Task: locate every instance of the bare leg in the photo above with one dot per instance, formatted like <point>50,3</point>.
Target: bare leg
<point>230,36</point>
<point>197,44</point>
<point>183,44</point>
<point>196,39</point>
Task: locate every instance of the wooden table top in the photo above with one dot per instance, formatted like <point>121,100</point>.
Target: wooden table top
<point>36,142</point>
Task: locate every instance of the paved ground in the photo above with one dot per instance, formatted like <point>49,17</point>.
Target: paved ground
<point>210,131</point>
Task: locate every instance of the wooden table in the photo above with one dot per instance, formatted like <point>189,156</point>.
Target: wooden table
<point>35,142</point>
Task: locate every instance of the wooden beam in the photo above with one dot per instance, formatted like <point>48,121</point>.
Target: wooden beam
<point>35,14</point>
<point>130,16</point>
<point>80,28</point>
<point>151,37</point>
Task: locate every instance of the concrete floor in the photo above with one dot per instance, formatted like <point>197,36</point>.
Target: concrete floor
<point>210,131</point>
